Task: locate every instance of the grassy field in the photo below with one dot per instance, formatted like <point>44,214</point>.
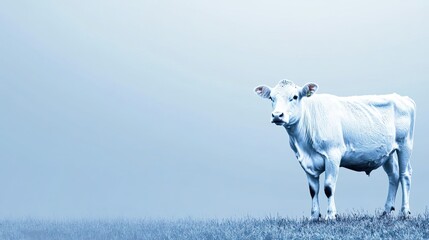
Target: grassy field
<point>350,226</point>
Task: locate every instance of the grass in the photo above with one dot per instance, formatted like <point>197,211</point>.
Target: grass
<point>349,226</point>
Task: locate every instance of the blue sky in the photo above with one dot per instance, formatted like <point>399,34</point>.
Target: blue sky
<point>146,108</point>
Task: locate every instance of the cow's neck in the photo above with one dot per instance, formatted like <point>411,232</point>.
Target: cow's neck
<point>299,138</point>
<point>302,144</point>
<point>298,131</point>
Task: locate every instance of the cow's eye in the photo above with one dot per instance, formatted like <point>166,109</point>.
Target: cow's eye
<point>295,97</point>
<point>271,99</point>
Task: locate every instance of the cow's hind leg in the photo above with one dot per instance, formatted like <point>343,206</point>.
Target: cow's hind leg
<point>392,169</point>
<point>405,171</point>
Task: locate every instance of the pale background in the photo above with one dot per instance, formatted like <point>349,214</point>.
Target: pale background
<point>145,109</point>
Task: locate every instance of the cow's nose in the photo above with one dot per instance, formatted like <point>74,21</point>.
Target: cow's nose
<point>277,115</point>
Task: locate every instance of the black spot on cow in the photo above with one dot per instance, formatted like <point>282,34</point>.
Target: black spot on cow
<point>328,191</point>
<point>312,192</point>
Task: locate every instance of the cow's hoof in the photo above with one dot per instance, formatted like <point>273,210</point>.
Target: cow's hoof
<point>331,216</point>
<point>316,217</point>
<point>388,213</point>
<point>406,214</point>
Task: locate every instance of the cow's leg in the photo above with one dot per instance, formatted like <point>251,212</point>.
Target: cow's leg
<point>313,183</point>
<point>332,167</point>
<point>405,171</point>
<point>392,169</point>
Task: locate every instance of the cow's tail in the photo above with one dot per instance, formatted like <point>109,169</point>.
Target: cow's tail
<point>412,118</point>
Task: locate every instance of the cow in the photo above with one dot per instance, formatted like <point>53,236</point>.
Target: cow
<point>360,133</point>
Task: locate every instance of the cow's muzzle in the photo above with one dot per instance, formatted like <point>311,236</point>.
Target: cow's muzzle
<point>278,118</point>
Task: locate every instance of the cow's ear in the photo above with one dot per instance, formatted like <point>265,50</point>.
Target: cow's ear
<point>263,91</point>
<point>309,89</point>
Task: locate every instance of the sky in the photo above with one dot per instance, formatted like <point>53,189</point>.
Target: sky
<point>146,109</point>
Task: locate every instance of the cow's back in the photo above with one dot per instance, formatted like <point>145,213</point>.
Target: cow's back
<point>390,116</point>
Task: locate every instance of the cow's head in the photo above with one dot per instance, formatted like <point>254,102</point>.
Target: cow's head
<point>286,100</point>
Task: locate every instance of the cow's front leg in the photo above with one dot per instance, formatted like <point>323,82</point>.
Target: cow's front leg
<point>332,166</point>
<point>313,183</point>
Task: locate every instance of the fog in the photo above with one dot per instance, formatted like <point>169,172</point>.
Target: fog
<point>146,109</point>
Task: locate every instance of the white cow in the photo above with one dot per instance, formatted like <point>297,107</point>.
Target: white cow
<point>360,133</point>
